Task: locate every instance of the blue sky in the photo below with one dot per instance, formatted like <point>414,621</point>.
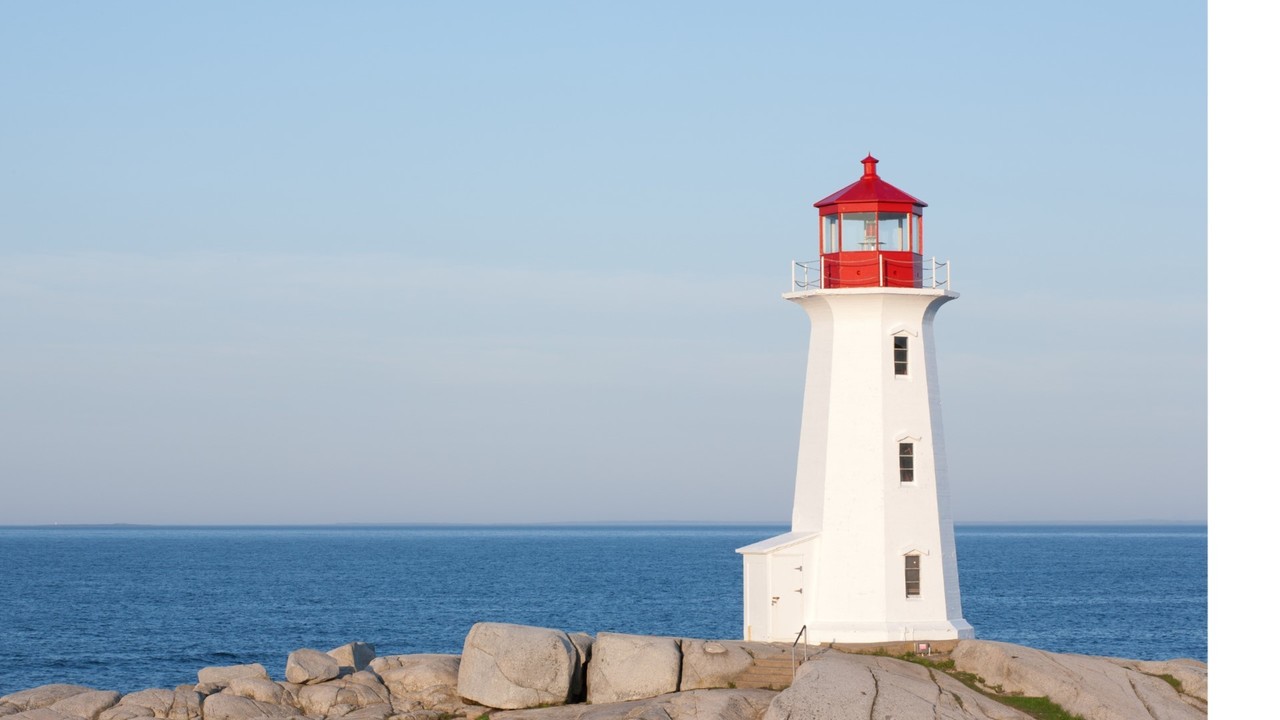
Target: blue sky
<point>417,262</point>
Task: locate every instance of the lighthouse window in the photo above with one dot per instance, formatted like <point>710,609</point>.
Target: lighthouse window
<point>830,234</point>
<point>906,462</point>
<point>913,575</point>
<point>893,230</point>
<point>860,231</point>
<point>899,355</point>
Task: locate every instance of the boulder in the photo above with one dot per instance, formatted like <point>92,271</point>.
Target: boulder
<point>307,667</point>
<point>430,682</point>
<point>86,705</point>
<point>339,698</point>
<point>354,655</point>
<point>711,664</point>
<point>154,702</point>
<point>261,690</point>
<point>1091,687</point>
<point>631,667</point>
<point>390,662</point>
<point>862,687</point>
<point>225,706</point>
<point>693,705</point>
<point>215,678</point>
<point>43,696</point>
<point>516,666</point>
<point>186,704</point>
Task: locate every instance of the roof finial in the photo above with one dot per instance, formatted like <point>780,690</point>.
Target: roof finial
<point>869,166</point>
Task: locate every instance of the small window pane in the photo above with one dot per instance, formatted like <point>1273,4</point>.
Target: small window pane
<point>906,462</point>
<point>899,355</point>
<point>912,575</point>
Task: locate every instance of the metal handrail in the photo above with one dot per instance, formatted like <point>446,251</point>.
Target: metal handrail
<point>812,274</point>
<point>804,630</point>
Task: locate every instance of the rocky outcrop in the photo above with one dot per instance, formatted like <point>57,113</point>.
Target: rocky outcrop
<point>630,667</point>
<point>307,666</point>
<point>219,676</point>
<point>354,656</point>
<point>526,673</point>
<point>712,664</point>
<point>58,702</point>
<point>1091,687</point>
<point>862,687</point>
<point>225,706</point>
<point>362,691</point>
<point>420,682</point>
<point>694,705</point>
<point>516,666</point>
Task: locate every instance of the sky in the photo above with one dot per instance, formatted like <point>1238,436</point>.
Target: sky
<point>489,263</point>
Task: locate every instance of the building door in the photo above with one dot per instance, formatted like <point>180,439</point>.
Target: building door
<point>786,575</point>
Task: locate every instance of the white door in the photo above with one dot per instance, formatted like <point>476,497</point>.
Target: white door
<point>786,576</point>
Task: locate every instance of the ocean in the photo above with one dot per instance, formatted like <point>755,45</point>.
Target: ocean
<point>126,608</point>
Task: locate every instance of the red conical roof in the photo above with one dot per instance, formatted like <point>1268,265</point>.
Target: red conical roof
<point>869,189</point>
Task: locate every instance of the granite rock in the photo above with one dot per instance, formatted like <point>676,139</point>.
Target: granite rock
<point>516,666</point>
<point>631,667</point>
<point>307,667</point>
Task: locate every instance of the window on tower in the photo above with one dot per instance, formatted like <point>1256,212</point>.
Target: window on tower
<point>913,575</point>
<point>899,355</point>
<point>906,462</point>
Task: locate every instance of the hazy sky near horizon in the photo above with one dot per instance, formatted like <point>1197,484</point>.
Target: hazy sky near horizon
<point>426,262</point>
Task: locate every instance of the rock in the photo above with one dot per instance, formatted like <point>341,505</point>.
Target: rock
<point>1094,688</point>
<point>217,677</point>
<point>390,662</point>
<point>86,705</point>
<point>860,687</point>
<point>709,664</point>
<point>43,696</point>
<point>186,704</point>
<point>225,706</point>
<point>631,667</point>
<point>261,690</point>
<point>355,655</point>
<point>693,705</point>
<point>155,702</point>
<point>431,682</point>
<point>306,667</point>
<point>582,642</point>
<point>1193,675</point>
<point>43,713</point>
<point>339,698</point>
<point>516,666</point>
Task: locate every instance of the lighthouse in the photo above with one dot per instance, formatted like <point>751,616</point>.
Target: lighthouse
<point>871,552</point>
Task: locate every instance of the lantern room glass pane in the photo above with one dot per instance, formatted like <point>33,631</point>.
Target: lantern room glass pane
<point>893,231</point>
<point>860,231</point>
<point>915,234</point>
<point>830,234</point>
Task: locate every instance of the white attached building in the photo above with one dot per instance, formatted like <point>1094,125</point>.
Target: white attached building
<point>871,553</point>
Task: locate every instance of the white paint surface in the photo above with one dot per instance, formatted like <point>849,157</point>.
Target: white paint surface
<point>853,521</point>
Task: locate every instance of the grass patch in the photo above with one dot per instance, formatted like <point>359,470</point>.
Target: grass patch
<point>1041,708</point>
<point>1173,681</point>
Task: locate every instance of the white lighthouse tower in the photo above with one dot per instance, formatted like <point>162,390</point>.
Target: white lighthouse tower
<point>871,553</point>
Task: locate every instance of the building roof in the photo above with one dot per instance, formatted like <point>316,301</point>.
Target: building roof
<point>869,189</point>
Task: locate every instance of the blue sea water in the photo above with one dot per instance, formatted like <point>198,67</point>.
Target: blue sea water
<point>127,608</point>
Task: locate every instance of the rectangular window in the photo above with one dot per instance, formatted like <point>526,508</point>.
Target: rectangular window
<point>913,575</point>
<point>906,462</point>
<point>899,355</point>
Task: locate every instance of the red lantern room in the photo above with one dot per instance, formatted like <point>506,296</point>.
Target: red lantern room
<point>870,234</point>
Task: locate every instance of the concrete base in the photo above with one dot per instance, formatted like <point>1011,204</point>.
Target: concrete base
<point>883,632</point>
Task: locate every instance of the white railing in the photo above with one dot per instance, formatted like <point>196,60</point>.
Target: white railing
<point>815,274</point>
